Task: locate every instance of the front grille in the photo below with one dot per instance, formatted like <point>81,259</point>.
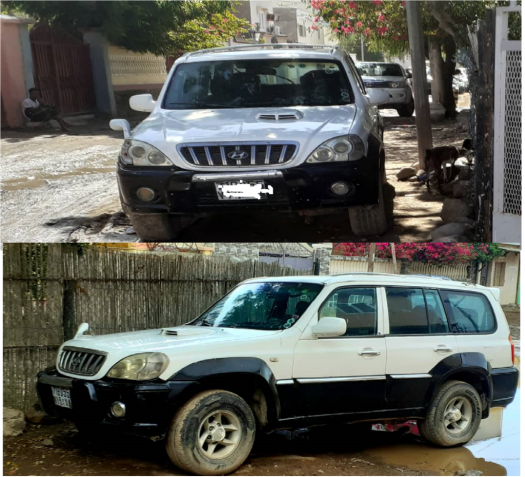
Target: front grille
<point>238,155</point>
<point>81,361</point>
<point>377,84</point>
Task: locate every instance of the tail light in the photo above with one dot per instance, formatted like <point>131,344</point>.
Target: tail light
<point>511,348</point>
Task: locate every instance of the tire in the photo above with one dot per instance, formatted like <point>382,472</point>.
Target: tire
<point>185,434</point>
<point>370,220</point>
<point>406,110</point>
<point>90,430</point>
<point>458,432</point>
<point>156,227</point>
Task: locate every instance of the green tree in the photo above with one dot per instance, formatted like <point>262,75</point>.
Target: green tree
<point>160,27</point>
<point>447,26</point>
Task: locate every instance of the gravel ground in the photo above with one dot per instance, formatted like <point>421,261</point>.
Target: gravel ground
<point>61,187</point>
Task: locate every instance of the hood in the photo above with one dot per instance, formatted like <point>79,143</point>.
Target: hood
<point>176,342</point>
<point>165,129</point>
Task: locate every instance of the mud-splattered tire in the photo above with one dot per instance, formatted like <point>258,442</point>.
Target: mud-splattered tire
<point>195,442</point>
<point>371,220</point>
<point>454,415</point>
<point>406,110</point>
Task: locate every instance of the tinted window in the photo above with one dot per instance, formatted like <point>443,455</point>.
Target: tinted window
<point>406,311</point>
<point>380,69</point>
<point>357,306</point>
<point>468,312</point>
<point>258,83</point>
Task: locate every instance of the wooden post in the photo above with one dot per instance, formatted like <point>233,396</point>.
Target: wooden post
<point>419,78</point>
<point>393,248</point>
<point>371,254</point>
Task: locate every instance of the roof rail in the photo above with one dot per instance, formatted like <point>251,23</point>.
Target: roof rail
<point>263,46</point>
<point>437,277</point>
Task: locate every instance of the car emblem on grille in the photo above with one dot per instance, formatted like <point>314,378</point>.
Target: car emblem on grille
<point>237,155</point>
<point>76,362</point>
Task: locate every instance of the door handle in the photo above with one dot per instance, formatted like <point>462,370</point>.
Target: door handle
<point>369,352</point>
<point>439,348</point>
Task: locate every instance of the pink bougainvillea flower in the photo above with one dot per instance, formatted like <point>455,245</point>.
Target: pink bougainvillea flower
<point>358,24</point>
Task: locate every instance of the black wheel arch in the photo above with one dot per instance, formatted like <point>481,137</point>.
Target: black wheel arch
<point>471,368</point>
<point>251,378</point>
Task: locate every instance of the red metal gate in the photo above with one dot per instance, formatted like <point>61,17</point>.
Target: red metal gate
<point>62,68</point>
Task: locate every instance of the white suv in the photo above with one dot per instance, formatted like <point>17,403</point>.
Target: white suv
<point>293,351</point>
<point>294,120</point>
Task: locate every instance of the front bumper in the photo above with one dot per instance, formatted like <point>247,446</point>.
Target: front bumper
<point>150,405</point>
<point>398,96</point>
<point>182,192</point>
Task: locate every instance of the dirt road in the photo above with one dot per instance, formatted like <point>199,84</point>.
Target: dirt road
<point>62,187</point>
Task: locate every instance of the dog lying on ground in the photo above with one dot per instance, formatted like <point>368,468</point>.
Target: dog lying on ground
<point>440,160</point>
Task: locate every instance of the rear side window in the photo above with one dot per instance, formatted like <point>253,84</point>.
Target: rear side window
<point>414,311</point>
<point>469,312</point>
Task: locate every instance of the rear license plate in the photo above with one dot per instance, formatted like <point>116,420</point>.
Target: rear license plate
<point>241,190</point>
<point>62,397</point>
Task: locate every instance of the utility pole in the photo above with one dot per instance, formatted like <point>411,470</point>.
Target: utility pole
<point>419,78</point>
<point>362,49</point>
<point>371,254</point>
<point>393,248</point>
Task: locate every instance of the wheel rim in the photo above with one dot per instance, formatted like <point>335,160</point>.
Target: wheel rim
<point>458,415</point>
<point>219,434</point>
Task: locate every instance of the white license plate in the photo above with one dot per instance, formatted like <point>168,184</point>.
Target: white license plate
<point>231,191</point>
<point>62,397</point>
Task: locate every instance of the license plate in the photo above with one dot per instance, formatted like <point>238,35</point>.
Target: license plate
<point>241,190</point>
<point>62,397</point>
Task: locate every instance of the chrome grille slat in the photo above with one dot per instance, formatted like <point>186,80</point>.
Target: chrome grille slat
<point>193,156</point>
<point>223,156</point>
<point>283,153</point>
<point>246,154</point>
<point>81,361</point>
<point>208,156</point>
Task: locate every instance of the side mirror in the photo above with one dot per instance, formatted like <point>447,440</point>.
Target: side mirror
<point>121,125</point>
<point>329,327</point>
<point>142,102</point>
<point>409,75</point>
<point>377,96</point>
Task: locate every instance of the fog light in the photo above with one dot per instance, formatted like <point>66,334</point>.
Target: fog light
<point>340,188</point>
<point>118,409</point>
<point>146,194</point>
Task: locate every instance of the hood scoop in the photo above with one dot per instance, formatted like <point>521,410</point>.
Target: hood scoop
<point>281,116</point>
<point>170,332</point>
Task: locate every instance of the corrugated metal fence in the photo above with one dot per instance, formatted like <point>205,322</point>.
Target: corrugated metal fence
<point>50,289</point>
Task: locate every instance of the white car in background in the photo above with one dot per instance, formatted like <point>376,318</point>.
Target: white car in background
<point>289,352</point>
<point>392,78</point>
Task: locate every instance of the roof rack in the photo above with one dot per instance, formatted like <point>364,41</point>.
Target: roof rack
<point>438,277</point>
<point>264,46</point>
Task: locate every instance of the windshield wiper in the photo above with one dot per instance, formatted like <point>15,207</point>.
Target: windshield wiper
<point>198,103</point>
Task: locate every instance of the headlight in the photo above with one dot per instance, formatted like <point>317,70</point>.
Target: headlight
<point>140,367</point>
<point>342,148</point>
<point>139,153</point>
<point>397,84</point>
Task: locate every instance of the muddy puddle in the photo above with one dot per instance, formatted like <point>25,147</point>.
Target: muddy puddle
<point>33,182</point>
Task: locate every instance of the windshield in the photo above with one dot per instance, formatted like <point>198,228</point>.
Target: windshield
<point>261,306</point>
<point>379,69</point>
<point>258,83</point>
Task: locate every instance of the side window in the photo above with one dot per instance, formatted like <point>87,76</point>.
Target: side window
<point>406,311</point>
<point>357,306</point>
<point>468,312</point>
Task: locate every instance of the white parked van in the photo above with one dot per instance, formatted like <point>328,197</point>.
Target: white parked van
<point>285,352</point>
